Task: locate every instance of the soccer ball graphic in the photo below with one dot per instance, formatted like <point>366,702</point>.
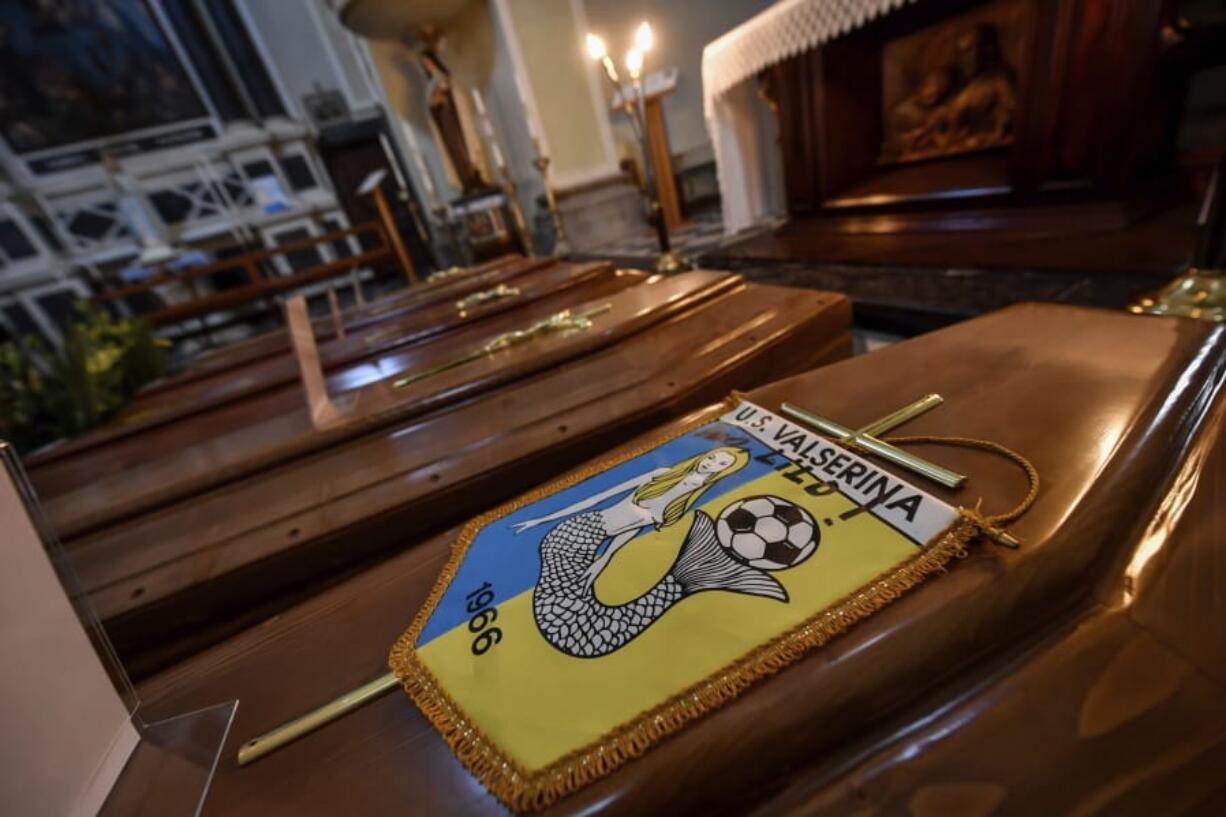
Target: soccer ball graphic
<point>767,532</point>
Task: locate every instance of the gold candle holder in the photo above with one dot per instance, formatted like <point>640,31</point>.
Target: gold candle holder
<point>561,244</point>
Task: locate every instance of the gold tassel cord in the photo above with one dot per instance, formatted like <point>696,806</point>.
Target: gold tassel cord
<point>991,526</point>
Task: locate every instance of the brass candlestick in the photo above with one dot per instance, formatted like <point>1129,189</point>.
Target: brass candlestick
<point>1200,292</point>
<point>440,214</point>
<point>561,245</point>
<point>510,190</point>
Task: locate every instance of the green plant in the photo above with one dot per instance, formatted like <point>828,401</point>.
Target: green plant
<point>51,394</point>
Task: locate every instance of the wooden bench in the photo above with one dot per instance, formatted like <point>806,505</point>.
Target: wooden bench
<point>260,284</point>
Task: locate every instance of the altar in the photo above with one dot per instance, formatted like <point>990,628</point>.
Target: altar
<point>1007,140</point>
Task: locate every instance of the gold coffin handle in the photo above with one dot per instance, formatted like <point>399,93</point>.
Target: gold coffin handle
<point>485,296</point>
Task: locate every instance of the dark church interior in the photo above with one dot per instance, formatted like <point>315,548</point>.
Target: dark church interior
<point>621,407</point>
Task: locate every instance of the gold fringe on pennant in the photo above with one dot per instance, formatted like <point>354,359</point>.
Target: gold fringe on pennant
<point>525,791</point>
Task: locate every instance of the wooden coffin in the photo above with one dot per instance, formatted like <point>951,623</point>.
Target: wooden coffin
<point>218,527</point>
<point>207,387</point>
<point>251,397</point>
<point>395,304</point>
<point>1080,674</point>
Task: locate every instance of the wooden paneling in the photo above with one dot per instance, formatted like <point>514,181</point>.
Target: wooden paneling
<point>1094,116</point>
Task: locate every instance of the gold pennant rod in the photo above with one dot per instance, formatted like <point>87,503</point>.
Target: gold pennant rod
<point>904,415</point>
<point>558,322</point>
<point>274,739</point>
<point>342,705</point>
<point>863,441</point>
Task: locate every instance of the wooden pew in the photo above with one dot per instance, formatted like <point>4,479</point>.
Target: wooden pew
<point>212,529</point>
<point>259,285</point>
<point>394,305</point>
<point>1081,673</point>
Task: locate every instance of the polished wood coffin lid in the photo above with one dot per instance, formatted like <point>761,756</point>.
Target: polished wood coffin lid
<point>1119,414</point>
<point>317,502</point>
<point>188,422</point>
<point>206,387</point>
<point>185,472</point>
<point>393,305</point>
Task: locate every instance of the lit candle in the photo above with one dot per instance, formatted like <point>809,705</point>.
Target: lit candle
<point>643,37</point>
<point>595,47</point>
<point>634,63</point>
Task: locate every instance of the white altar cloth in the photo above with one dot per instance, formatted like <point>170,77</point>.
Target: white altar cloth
<point>729,65</point>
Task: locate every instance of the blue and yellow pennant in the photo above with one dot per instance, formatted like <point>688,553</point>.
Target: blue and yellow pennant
<point>580,624</point>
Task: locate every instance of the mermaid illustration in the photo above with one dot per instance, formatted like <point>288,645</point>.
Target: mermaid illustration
<point>567,612</point>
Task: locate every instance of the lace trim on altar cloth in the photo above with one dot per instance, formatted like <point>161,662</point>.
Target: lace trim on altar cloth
<point>788,28</point>
<point>784,30</point>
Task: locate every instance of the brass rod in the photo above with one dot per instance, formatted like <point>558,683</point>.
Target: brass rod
<point>903,415</point>
<point>872,445</point>
<point>303,725</point>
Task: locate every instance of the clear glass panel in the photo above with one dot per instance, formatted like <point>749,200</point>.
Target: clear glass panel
<point>62,562</point>
<point>172,768</point>
<point>173,765</point>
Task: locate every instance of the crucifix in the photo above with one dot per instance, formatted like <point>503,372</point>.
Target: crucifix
<point>864,440</point>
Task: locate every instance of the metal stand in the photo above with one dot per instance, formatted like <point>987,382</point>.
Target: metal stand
<point>1201,291</point>
<point>172,766</point>
<point>561,244</point>
<point>636,111</point>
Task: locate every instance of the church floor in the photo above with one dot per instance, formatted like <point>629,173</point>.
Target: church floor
<point>702,233</point>
<point>910,300</point>
<point>907,283</point>
<point>913,282</point>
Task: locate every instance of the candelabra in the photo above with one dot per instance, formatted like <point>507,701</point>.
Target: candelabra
<point>636,111</point>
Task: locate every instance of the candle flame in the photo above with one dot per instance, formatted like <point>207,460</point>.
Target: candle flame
<point>634,62</point>
<point>643,37</point>
<point>595,47</point>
